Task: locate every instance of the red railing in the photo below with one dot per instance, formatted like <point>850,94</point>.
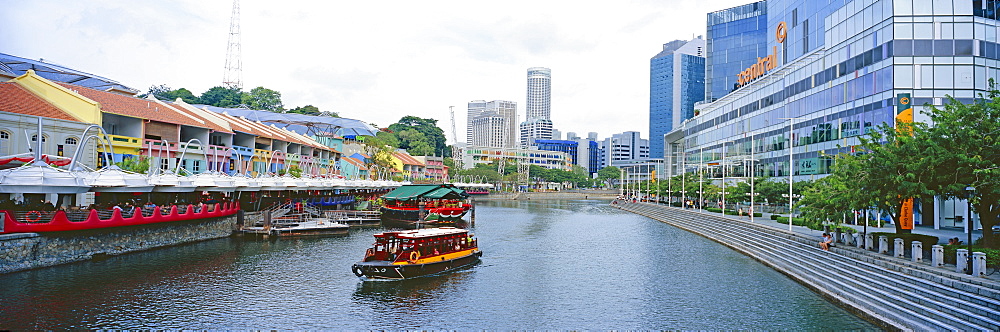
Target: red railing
<point>43,221</point>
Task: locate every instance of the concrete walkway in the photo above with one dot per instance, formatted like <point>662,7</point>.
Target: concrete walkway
<point>894,292</point>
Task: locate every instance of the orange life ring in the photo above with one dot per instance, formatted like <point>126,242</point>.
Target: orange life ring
<point>414,256</point>
<point>38,216</point>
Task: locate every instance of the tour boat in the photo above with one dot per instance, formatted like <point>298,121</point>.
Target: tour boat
<point>424,205</point>
<point>417,253</point>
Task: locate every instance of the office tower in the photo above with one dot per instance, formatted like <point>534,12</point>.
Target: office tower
<point>736,38</point>
<point>538,106</point>
<point>676,82</point>
<point>492,124</point>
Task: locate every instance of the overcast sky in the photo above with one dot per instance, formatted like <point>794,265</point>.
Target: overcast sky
<point>376,61</point>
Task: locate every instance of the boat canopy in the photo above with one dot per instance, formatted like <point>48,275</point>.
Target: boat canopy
<point>428,191</point>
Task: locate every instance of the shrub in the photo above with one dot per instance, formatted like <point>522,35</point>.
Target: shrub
<point>812,224</point>
<point>843,229</point>
<point>713,210</point>
<point>908,238</point>
<point>774,217</point>
<point>676,204</point>
<point>992,255</point>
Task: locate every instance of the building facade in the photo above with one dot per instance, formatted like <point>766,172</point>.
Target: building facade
<point>492,124</point>
<point>535,129</point>
<point>624,146</point>
<point>831,75</point>
<point>736,37</point>
<point>473,155</point>
<point>676,83</point>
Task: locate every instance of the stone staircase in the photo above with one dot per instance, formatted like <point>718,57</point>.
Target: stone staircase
<point>892,292</point>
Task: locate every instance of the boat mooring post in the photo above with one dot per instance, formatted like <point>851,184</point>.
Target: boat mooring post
<point>473,222</point>
<point>420,215</point>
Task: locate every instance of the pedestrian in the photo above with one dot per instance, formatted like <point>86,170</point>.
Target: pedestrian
<point>740,212</point>
<point>826,242</point>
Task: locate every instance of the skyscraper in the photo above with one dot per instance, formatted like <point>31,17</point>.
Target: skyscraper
<point>676,82</point>
<point>736,37</point>
<point>492,124</point>
<point>538,122</point>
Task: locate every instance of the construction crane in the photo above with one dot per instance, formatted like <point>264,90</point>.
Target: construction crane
<point>456,152</point>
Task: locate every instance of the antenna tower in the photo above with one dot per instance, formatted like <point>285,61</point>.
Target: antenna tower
<point>456,151</point>
<point>233,77</point>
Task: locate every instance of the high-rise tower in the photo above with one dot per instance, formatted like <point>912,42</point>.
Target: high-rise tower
<point>538,122</point>
<point>676,82</point>
<point>233,78</point>
<point>492,124</point>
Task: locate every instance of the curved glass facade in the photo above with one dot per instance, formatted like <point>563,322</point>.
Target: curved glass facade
<point>736,38</point>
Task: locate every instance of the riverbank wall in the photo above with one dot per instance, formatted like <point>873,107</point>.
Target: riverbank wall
<point>24,251</point>
<point>893,292</point>
<point>581,194</point>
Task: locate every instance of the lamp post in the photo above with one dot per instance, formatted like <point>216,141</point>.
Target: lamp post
<point>790,198</point>
<point>970,191</point>
<point>791,172</point>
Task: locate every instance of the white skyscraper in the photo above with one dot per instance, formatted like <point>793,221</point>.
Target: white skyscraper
<point>492,124</point>
<point>538,123</point>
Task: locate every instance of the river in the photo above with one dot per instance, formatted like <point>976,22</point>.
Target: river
<point>562,264</point>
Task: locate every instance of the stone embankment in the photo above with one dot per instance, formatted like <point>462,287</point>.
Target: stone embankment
<point>23,251</point>
<point>582,194</point>
<point>892,292</point>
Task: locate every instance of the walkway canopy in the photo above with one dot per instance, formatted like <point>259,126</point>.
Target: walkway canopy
<point>301,123</point>
<point>428,191</point>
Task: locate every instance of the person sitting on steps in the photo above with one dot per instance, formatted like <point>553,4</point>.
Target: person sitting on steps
<point>827,241</point>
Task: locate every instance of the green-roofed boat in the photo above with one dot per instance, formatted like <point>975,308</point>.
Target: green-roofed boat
<point>425,205</point>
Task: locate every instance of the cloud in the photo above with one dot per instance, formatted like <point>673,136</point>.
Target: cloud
<point>351,80</point>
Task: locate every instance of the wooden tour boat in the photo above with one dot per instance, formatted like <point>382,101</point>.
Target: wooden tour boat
<point>425,205</point>
<point>417,253</point>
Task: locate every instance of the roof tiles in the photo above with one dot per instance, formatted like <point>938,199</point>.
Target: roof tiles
<point>18,100</point>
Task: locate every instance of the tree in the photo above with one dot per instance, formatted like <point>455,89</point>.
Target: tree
<point>608,174</point>
<point>222,97</point>
<point>432,134</point>
<point>261,98</point>
<point>964,148</point>
<point>163,92</point>
<point>379,153</point>
<point>307,110</point>
<point>136,164</point>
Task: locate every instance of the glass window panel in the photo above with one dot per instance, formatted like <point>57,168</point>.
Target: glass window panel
<point>902,7</point>
<point>923,7</point>
<point>923,30</point>
<point>902,30</point>
<point>963,77</point>
<point>944,47</point>
<point>962,7</point>
<point>947,30</point>
<point>943,7</point>
<point>963,47</point>
<point>903,76</point>
<point>926,76</point>
<point>944,76</point>
<point>963,30</point>
<point>923,47</point>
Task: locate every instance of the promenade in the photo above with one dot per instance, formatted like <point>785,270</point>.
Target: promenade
<point>895,293</point>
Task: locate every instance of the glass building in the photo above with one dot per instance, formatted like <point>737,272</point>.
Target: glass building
<point>736,38</point>
<point>676,82</point>
<point>831,74</point>
<point>569,147</point>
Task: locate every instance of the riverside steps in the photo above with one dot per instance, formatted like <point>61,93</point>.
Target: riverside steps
<point>893,292</point>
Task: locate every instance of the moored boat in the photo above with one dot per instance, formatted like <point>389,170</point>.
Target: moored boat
<point>417,253</point>
<point>434,205</point>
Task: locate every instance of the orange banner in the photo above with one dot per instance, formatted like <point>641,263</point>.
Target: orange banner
<point>906,215</point>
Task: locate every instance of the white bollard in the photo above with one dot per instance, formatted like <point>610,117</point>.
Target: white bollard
<point>961,259</point>
<point>848,239</point>
<point>897,248</point>
<point>918,252</point>
<point>869,242</point>
<point>937,256</point>
<point>860,241</point>
<point>883,244</point>
<point>979,264</point>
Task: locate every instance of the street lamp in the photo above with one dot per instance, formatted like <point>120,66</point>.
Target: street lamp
<point>791,168</point>
<point>970,191</point>
<point>790,206</point>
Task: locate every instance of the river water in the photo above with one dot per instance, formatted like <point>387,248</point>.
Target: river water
<point>568,264</point>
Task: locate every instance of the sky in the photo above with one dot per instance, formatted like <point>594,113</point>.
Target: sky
<point>376,61</point>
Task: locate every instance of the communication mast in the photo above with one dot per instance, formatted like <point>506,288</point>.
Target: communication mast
<point>233,78</point>
<point>456,151</point>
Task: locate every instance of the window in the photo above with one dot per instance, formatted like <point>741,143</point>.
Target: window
<point>34,138</point>
<point>69,140</point>
<point>4,135</point>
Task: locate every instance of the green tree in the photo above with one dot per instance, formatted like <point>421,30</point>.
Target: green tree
<point>307,110</point>
<point>963,147</point>
<point>609,175</point>
<point>379,153</point>
<point>163,92</point>
<point>432,134</point>
<point>136,164</point>
<point>222,97</point>
<point>261,98</point>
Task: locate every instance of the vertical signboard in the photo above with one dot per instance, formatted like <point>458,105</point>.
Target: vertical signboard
<point>904,115</point>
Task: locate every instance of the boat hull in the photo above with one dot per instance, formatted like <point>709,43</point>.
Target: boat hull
<point>384,270</point>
